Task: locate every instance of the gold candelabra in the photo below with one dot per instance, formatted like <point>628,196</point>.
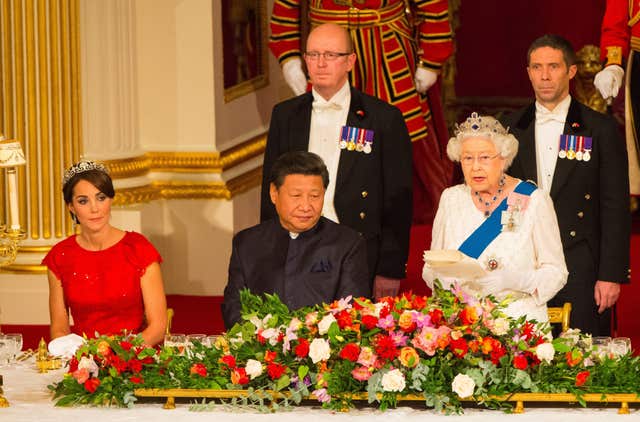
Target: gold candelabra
<point>11,156</point>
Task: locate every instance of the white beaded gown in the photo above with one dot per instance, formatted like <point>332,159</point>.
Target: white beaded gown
<point>533,248</point>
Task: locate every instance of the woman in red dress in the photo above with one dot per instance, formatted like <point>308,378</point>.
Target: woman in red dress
<point>109,279</point>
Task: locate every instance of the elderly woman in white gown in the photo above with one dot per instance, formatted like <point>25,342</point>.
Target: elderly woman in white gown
<point>507,225</point>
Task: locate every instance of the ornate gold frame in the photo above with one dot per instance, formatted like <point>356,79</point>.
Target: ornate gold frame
<point>519,398</point>
<point>260,43</point>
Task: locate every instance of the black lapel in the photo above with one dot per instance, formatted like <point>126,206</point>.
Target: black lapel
<point>574,125</point>
<point>300,124</point>
<point>357,117</point>
<point>526,157</point>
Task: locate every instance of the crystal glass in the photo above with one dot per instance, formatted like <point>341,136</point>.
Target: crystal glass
<point>6,350</point>
<point>16,339</point>
<point>211,340</point>
<point>199,338</point>
<point>601,346</point>
<point>620,346</point>
<point>178,341</point>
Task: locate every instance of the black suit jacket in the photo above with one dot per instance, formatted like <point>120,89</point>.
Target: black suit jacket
<point>323,264</point>
<point>591,200</point>
<point>373,191</point>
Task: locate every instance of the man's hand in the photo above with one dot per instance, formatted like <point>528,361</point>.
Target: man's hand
<point>294,76</point>
<point>425,79</point>
<point>385,286</point>
<point>606,294</point>
<point>608,81</point>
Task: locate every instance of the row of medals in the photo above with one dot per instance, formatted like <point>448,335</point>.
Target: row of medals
<point>578,155</point>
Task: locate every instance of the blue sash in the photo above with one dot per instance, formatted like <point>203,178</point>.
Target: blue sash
<point>478,241</point>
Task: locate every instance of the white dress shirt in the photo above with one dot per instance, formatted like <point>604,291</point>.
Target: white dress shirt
<point>327,118</point>
<point>549,127</point>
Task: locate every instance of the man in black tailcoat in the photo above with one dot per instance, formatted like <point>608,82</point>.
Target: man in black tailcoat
<point>578,156</point>
<point>366,146</point>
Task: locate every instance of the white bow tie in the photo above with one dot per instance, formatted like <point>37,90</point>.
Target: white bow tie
<point>325,105</point>
<point>548,116</point>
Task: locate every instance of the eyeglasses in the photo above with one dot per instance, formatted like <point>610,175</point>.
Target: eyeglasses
<point>483,159</point>
<point>327,55</point>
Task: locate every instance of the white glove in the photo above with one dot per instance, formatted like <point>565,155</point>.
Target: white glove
<point>294,76</point>
<point>500,280</point>
<point>65,346</point>
<point>425,78</point>
<point>609,80</point>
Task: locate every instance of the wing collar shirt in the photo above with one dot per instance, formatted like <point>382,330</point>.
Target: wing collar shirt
<point>327,119</point>
<point>549,127</point>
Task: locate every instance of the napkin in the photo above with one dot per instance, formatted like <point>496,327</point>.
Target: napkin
<point>65,346</point>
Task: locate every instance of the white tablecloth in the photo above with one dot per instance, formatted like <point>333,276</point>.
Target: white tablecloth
<point>30,400</point>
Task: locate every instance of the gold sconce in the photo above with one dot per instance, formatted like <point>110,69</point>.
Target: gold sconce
<point>11,156</point>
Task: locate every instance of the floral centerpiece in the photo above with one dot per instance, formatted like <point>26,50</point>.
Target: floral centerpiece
<point>443,349</point>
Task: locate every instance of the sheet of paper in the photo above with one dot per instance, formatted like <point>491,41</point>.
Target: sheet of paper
<point>453,263</point>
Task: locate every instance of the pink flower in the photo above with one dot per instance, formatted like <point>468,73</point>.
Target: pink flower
<point>322,395</point>
<point>427,340</point>
<point>81,375</point>
<point>361,373</point>
<point>399,339</point>
<point>387,323</point>
<point>366,356</point>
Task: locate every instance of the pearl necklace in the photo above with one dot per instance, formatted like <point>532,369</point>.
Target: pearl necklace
<point>488,204</point>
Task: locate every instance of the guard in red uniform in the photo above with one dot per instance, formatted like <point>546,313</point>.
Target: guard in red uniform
<point>401,46</point>
<point>620,44</point>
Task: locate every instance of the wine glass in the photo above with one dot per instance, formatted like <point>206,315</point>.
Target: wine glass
<point>177,341</point>
<point>601,346</point>
<point>620,346</point>
<point>15,340</point>
<point>6,349</point>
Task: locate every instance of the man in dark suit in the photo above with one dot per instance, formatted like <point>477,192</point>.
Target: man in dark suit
<point>578,156</point>
<point>304,258</point>
<point>367,149</point>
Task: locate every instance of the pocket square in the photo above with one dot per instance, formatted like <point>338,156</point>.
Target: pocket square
<point>322,266</point>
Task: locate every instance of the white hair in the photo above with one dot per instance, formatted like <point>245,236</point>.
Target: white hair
<point>484,127</point>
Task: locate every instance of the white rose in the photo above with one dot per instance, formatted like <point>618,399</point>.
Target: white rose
<point>323,326</point>
<point>500,326</point>
<point>463,385</point>
<point>253,368</point>
<point>393,381</point>
<point>89,364</point>
<point>545,352</point>
<point>319,350</point>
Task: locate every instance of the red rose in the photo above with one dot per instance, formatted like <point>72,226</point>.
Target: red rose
<point>344,319</point>
<point>261,339</point>
<point>92,384</point>
<point>135,365</point>
<point>126,345</point>
<point>436,317</point>
<point>270,356</point>
<point>350,351</point>
<point>418,302</point>
<point>239,376</point>
<point>228,360</point>
<point>459,347</point>
<point>198,369</point>
<point>581,378</point>
<point>119,364</point>
<point>302,348</point>
<point>369,321</point>
<point>275,370</point>
<point>73,364</point>
<point>520,362</point>
<point>136,379</point>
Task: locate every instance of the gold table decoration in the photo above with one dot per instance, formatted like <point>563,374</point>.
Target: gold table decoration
<point>3,401</point>
<point>44,361</point>
<point>519,398</point>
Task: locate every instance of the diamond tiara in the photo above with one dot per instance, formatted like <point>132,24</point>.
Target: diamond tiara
<point>81,167</point>
<point>479,124</point>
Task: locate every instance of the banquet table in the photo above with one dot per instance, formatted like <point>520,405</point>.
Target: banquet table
<point>30,400</point>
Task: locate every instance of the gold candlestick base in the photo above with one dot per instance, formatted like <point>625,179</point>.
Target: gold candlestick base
<point>3,402</point>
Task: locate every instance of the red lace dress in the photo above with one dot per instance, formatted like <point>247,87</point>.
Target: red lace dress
<point>102,288</point>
